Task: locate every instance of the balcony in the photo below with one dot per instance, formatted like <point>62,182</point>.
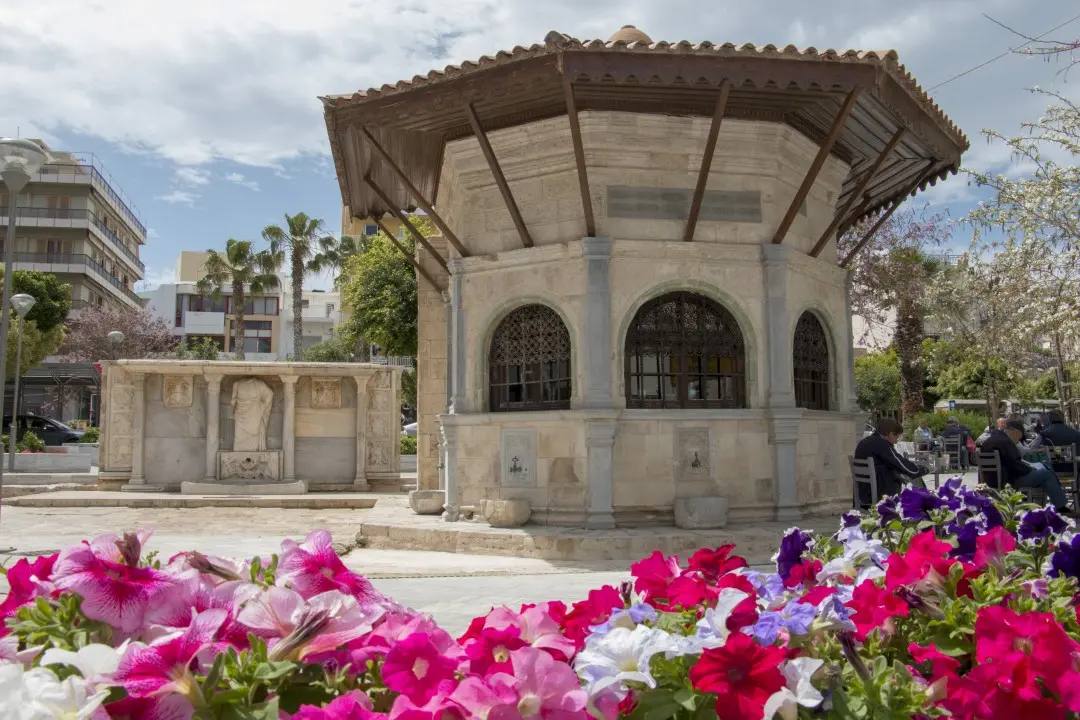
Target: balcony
<point>75,265</point>
<point>73,218</point>
<point>88,170</point>
<point>204,323</point>
<point>319,314</point>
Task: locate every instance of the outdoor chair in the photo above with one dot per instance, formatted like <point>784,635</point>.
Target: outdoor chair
<point>1066,465</point>
<point>989,465</point>
<point>862,473</point>
<point>952,447</point>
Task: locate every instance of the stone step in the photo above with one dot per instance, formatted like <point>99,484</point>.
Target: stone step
<point>316,501</point>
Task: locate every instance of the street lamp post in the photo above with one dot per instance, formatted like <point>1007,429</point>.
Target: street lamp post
<point>115,338</point>
<point>22,304</point>
<point>19,159</point>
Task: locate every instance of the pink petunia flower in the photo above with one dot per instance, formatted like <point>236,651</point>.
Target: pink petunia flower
<point>537,628</point>
<point>312,567</point>
<point>546,688</point>
<point>26,581</point>
<point>398,626</point>
<point>194,594</point>
<point>105,573</point>
<point>321,624</point>
<point>414,667</point>
<point>353,706</point>
<point>439,707</point>
<point>653,574</point>
<point>482,698</point>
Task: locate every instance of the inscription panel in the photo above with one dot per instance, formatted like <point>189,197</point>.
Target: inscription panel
<point>650,203</point>
<point>518,458</point>
<point>693,454</point>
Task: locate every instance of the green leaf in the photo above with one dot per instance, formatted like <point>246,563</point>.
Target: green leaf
<point>225,697</point>
<point>687,698</point>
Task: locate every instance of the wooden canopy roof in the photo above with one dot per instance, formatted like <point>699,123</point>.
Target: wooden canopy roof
<point>862,107</point>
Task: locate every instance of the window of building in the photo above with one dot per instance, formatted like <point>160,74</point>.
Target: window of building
<point>257,306</point>
<point>685,351</point>
<point>305,303</point>
<point>256,345</point>
<point>529,362</point>
<point>810,362</point>
<point>198,303</point>
<point>258,328</point>
<point>370,230</point>
<point>329,309</point>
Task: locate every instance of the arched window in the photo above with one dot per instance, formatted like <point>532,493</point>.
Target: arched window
<point>685,351</point>
<point>810,361</point>
<point>529,362</point>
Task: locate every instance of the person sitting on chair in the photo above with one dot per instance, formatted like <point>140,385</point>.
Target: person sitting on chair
<point>891,468</point>
<point>1016,472</point>
<point>924,436</point>
<point>1058,434</point>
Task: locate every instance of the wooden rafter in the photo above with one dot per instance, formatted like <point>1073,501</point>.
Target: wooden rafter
<point>404,220</point>
<point>500,179</point>
<point>414,191</point>
<point>852,217</point>
<point>927,172</point>
<point>815,167</point>
<point>706,161</point>
<point>579,157</point>
<point>409,256</point>
<point>841,214</point>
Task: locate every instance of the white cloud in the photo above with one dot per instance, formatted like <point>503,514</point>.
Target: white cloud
<point>192,176</point>
<point>239,179</point>
<point>181,197</point>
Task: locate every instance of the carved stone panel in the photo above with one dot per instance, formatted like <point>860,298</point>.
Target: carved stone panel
<point>326,393</point>
<point>518,458</point>
<point>381,424</point>
<point>256,466</point>
<point>693,456</point>
<point>664,203</point>
<point>176,391</point>
<point>377,426</point>
<point>378,453</point>
<point>121,425</point>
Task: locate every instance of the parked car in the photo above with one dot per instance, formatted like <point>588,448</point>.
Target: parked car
<point>51,431</point>
<point>409,430</point>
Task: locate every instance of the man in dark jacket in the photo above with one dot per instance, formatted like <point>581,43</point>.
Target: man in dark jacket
<point>955,431</point>
<point>1015,471</point>
<point>1058,434</point>
<point>890,467</point>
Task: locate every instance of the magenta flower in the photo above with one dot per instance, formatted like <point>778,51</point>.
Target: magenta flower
<point>106,575</point>
<point>537,628</point>
<point>26,581</point>
<point>304,628</point>
<point>312,567</point>
<point>414,667</point>
<point>165,667</point>
<point>439,707</point>
<point>546,688</point>
<point>353,706</point>
<point>492,697</point>
<point>194,594</point>
<point>398,626</point>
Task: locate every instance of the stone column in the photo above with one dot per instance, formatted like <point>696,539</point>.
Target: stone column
<point>288,429</point>
<point>137,428</point>
<point>600,444</point>
<point>360,482</point>
<point>596,335</point>
<point>449,436</point>
<point>457,340</point>
<point>213,425</point>
<point>848,400</point>
<point>784,417</point>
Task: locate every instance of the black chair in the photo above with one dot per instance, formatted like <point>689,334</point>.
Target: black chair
<point>862,473</point>
<point>952,447</point>
<point>989,466</point>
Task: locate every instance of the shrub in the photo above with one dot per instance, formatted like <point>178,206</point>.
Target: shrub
<point>975,422</point>
<point>408,445</point>
<point>92,435</point>
<point>30,443</point>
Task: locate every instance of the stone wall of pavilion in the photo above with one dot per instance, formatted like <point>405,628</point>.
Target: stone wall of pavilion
<point>431,364</point>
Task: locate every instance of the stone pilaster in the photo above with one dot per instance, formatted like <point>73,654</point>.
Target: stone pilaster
<point>596,336</point>
<point>449,435</point>
<point>848,400</point>
<point>138,412</point>
<point>458,350</point>
<point>784,424</point>
<point>599,444</point>
<point>360,482</point>
<point>213,425</point>
<point>288,431</point>
<point>432,364</point>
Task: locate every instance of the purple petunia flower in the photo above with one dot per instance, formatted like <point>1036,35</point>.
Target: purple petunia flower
<point>887,510</point>
<point>769,586</point>
<point>982,504</point>
<point>794,617</point>
<point>950,492</point>
<point>850,519</point>
<point>916,503</point>
<point>967,536</point>
<point>1066,558</point>
<point>1039,524</point>
<point>794,543</point>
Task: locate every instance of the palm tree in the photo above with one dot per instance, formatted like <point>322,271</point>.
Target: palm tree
<point>302,239</point>
<point>244,270</point>
<point>911,271</point>
<point>335,255</point>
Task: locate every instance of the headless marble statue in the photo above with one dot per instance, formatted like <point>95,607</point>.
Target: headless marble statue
<point>251,402</point>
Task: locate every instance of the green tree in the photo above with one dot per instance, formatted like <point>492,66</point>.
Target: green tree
<point>36,345</point>
<point>877,381</point>
<point>242,269</point>
<point>408,389</point>
<point>335,256</point>
<point>304,243</point>
<point>53,297</point>
<point>197,348</point>
<point>379,292</point>
<point>337,349</point>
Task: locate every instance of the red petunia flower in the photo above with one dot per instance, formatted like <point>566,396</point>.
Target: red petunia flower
<point>941,664</point>
<point>925,556</point>
<point>805,573</point>
<point>742,673</point>
<point>874,607</point>
<point>654,574</point>
<point>714,563</point>
<point>593,610</point>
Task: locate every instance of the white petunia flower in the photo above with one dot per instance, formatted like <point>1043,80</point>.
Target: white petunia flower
<point>95,662</point>
<point>38,694</point>
<point>712,629</point>
<point>799,690</point>
<point>609,661</point>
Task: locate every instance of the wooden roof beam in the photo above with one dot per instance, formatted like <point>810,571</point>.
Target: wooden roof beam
<point>815,167</point>
<point>706,161</point>
<point>413,190</point>
<point>838,218</point>
<point>500,179</point>
<point>928,172</point>
<point>579,157</point>
<point>409,256</point>
<point>404,220</point>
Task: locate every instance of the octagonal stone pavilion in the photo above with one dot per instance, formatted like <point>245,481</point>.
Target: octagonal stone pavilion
<point>635,304</point>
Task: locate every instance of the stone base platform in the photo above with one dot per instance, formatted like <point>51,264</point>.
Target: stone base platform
<point>249,488</point>
<point>322,501</point>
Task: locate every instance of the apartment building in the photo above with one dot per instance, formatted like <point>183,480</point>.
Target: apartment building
<point>194,315</point>
<point>366,227</point>
<point>321,315</point>
<point>75,221</point>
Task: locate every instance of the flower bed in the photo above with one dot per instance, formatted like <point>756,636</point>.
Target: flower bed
<point>954,603</point>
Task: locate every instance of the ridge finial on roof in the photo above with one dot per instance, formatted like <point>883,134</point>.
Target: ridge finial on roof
<point>629,34</point>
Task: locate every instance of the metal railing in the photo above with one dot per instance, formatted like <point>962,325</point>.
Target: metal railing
<point>392,360</point>
<point>73,259</point>
<point>70,214</point>
<point>87,165</point>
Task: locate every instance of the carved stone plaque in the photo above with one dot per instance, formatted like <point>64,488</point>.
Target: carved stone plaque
<point>260,466</point>
<point>650,203</point>
<point>121,425</point>
<point>176,391</point>
<point>518,458</point>
<point>692,454</point>
<point>378,453</point>
<point>377,425</point>
<point>326,393</point>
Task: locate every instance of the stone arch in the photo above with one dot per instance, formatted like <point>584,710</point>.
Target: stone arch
<point>830,350</point>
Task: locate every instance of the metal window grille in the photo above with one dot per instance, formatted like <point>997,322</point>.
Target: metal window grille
<point>810,363</point>
<point>685,351</point>
<point>529,362</point>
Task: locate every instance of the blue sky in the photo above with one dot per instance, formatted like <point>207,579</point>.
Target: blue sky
<point>206,113</point>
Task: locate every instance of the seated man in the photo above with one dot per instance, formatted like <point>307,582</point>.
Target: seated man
<point>1058,434</point>
<point>955,431</point>
<point>1018,473</point>
<point>892,468</point>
